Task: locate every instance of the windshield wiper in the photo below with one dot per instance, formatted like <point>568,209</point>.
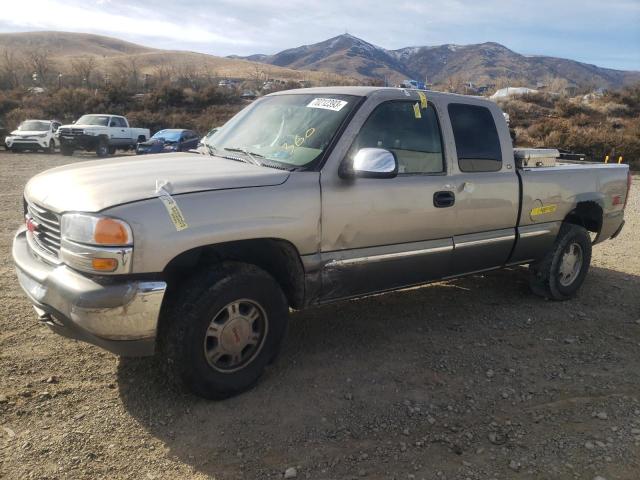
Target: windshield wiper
<point>250,155</point>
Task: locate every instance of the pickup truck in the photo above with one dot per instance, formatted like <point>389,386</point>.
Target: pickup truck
<point>305,197</point>
<point>103,134</point>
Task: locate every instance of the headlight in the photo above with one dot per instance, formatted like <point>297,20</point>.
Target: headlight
<point>40,135</point>
<point>96,243</point>
<point>95,230</point>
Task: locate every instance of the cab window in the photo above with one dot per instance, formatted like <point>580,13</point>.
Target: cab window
<point>476,137</point>
<point>410,132</point>
<point>118,122</point>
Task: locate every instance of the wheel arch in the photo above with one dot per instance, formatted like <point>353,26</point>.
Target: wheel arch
<point>588,214</point>
<point>278,257</point>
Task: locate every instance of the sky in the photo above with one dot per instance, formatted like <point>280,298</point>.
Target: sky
<point>603,33</point>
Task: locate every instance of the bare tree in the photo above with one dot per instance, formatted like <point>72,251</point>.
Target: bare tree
<point>83,67</point>
<point>162,73</point>
<point>257,75</point>
<point>12,68</point>
<point>40,63</point>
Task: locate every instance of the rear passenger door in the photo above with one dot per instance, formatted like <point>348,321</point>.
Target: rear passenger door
<point>120,132</point>
<point>486,185</point>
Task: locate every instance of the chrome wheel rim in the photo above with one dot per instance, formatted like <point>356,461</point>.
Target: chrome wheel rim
<point>235,335</point>
<point>570,264</point>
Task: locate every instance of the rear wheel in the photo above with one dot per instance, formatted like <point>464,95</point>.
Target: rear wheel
<point>223,328</point>
<point>560,274</point>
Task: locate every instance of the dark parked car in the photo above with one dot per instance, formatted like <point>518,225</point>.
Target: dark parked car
<point>169,140</point>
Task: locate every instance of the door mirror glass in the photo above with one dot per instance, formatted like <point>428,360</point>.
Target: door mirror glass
<point>374,163</point>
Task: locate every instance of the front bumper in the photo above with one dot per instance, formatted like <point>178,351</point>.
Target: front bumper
<point>119,316</point>
<point>84,142</point>
<point>30,144</point>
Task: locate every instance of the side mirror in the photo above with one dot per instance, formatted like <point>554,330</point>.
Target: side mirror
<point>372,163</point>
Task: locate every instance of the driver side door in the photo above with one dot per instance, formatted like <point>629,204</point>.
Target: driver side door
<point>382,234</point>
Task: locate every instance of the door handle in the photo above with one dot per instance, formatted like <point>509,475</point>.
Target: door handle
<point>444,199</point>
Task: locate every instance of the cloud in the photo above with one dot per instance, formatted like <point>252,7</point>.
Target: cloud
<point>101,17</point>
<point>592,31</point>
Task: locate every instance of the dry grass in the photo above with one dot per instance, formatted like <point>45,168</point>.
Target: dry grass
<point>595,125</point>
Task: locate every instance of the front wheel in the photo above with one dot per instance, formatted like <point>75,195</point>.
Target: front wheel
<point>560,274</point>
<point>102,150</point>
<point>66,150</point>
<point>223,328</point>
<point>52,147</point>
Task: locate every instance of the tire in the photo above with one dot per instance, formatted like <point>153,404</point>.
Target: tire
<point>66,150</point>
<point>102,149</point>
<point>560,274</point>
<point>234,307</point>
<point>52,147</point>
<point>112,149</point>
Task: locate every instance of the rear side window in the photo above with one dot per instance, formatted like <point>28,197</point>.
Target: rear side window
<point>118,122</point>
<point>411,133</point>
<point>476,136</point>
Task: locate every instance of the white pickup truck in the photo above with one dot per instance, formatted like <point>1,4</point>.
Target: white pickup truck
<point>103,134</point>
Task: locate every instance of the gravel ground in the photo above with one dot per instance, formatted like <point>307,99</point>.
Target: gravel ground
<point>467,379</point>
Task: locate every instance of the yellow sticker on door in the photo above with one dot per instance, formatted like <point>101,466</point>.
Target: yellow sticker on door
<point>542,210</point>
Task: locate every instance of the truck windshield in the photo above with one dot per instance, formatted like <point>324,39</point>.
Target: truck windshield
<point>34,126</point>
<point>292,129</point>
<point>102,120</point>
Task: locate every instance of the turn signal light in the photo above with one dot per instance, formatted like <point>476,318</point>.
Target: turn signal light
<point>104,264</point>
<point>110,232</point>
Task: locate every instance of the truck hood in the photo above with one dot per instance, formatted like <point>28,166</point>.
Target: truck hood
<point>27,133</point>
<point>95,185</point>
<point>80,125</point>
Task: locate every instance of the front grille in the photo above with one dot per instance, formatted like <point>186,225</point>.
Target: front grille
<point>71,131</point>
<point>46,235</point>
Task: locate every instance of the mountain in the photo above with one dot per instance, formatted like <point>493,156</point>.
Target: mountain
<point>110,54</point>
<point>480,63</point>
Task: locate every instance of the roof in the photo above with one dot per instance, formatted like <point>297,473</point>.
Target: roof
<point>366,91</point>
<point>357,91</point>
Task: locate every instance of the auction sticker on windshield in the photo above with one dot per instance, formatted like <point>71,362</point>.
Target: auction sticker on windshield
<point>327,104</point>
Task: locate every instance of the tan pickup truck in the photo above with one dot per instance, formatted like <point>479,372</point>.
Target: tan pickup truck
<point>304,197</point>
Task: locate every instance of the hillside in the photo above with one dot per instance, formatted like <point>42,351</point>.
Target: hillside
<point>480,64</point>
<point>66,44</point>
<point>111,54</point>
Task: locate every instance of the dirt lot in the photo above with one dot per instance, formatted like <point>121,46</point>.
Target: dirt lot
<point>473,378</point>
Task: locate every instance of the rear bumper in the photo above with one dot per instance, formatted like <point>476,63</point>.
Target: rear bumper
<point>612,224</point>
<point>617,232</point>
<point>119,316</point>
